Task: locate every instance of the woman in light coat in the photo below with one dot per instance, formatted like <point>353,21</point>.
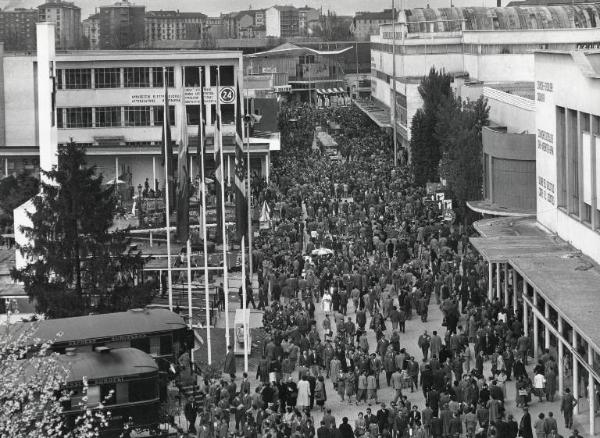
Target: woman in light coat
<point>303,400</point>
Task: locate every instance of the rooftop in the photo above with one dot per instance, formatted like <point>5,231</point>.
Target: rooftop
<point>108,325</point>
<point>553,267</point>
<point>59,4</point>
<point>572,16</point>
<point>386,14</point>
<point>119,362</point>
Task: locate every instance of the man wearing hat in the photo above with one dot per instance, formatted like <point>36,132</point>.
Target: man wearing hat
<point>575,434</point>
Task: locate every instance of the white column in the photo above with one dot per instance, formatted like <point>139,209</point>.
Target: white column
<point>191,168</point>
<point>591,392</point>
<point>228,170</point>
<point>47,136</point>
<point>506,285</point>
<point>497,280</point>
<point>535,327</point>
<point>154,172</point>
<point>268,167</point>
<point>6,167</point>
<point>575,372</point>
<point>490,279</point>
<point>116,168</point>
<point>546,322</point>
<point>561,364</point>
<point>525,319</point>
<point>515,291</point>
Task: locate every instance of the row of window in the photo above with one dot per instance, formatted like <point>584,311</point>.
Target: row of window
<point>123,116</point>
<point>112,116</point>
<point>136,77</point>
<point>473,49</point>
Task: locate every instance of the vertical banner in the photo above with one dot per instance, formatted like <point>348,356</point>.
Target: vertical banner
<point>183,198</point>
<point>167,152</point>
<point>218,156</point>
<point>241,200</point>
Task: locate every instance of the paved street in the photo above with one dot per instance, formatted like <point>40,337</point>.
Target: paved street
<point>408,340</point>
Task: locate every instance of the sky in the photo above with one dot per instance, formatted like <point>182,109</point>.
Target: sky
<point>214,7</point>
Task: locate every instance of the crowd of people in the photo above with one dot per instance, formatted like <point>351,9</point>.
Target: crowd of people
<point>356,239</point>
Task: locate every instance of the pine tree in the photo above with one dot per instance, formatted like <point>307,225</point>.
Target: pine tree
<point>77,264</point>
<point>434,89</point>
<point>459,132</point>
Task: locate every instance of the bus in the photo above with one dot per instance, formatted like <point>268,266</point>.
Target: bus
<point>124,380</point>
<point>160,333</point>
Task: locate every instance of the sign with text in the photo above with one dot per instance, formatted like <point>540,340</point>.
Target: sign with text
<point>155,97</point>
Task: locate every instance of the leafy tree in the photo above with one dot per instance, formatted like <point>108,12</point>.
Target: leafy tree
<point>77,263</point>
<point>459,132</point>
<point>32,382</point>
<point>424,145</point>
<point>14,191</point>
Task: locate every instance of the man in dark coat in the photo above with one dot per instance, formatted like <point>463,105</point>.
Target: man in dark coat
<point>513,427</point>
<point>525,425</point>
<point>345,429</point>
<point>229,366</point>
<point>436,427</point>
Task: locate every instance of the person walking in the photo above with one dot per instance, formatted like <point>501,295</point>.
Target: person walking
<point>540,426</point>
<point>303,400</point>
<point>567,404</point>
<point>525,430</point>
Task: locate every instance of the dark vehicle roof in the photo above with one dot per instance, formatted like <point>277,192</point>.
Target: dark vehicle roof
<point>103,326</point>
<point>119,362</point>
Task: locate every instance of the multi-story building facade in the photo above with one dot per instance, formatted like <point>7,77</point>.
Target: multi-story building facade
<point>509,182</point>
<point>121,25</point>
<point>173,25</point>
<point>66,17</point>
<point>546,268</point>
<point>568,138</point>
<point>282,21</point>
<point>112,102</point>
<point>307,17</point>
<point>483,44</point>
<point>91,32</point>
<point>365,24</point>
<point>17,29</point>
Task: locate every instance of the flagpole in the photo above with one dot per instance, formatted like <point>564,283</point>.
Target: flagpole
<point>189,281</point>
<point>167,207</point>
<point>244,301</point>
<point>224,218</point>
<point>202,188</point>
<point>249,196</point>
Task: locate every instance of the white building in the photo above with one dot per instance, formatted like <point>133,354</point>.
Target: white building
<point>282,21</point>
<point>546,268</point>
<point>568,138</point>
<point>483,44</point>
<point>112,102</point>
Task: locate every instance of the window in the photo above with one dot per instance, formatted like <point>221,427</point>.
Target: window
<point>108,116</point>
<point>157,77</point>
<point>573,153</point>
<point>59,118</point>
<point>158,115</point>
<point>166,345</point>
<point>143,389</point>
<point>137,116</point>
<point>225,73</point>
<point>93,395</point>
<point>78,118</point>
<point>141,344</point>
<point>193,114</point>
<point>227,114</point>
<point>107,77</point>
<point>137,77</point>
<point>108,393</point>
<point>192,76</point>
<point>78,78</point>
<point>561,157</point>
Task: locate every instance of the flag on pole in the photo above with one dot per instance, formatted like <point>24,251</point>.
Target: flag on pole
<point>219,174</point>
<point>183,198</point>
<point>200,151</point>
<point>241,199</point>
<point>167,152</point>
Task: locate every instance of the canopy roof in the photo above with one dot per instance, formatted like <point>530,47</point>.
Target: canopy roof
<point>289,49</point>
